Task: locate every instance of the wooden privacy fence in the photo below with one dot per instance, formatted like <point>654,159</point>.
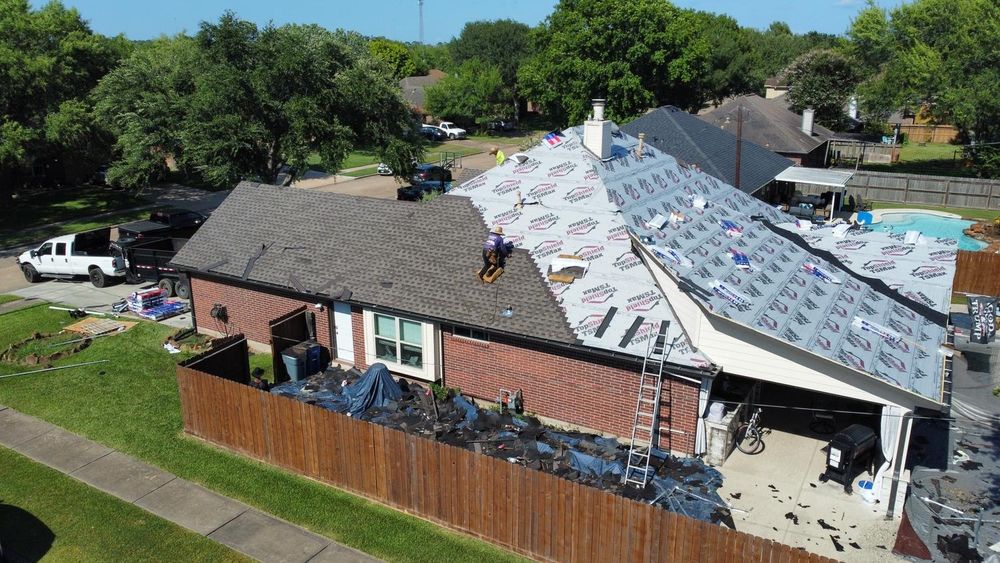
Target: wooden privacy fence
<point>927,190</point>
<point>977,273</point>
<point>527,511</point>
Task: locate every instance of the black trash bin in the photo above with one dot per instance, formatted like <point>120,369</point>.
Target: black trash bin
<point>850,451</point>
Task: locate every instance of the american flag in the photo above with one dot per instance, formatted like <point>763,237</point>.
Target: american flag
<point>553,139</point>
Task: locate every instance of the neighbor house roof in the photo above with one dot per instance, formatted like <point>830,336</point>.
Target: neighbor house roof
<point>769,123</point>
<point>693,140</point>
<point>737,257</point>
<point>417,258</point>
<point>413,86</point>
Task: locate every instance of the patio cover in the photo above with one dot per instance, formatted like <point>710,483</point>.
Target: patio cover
<point>816,176</point>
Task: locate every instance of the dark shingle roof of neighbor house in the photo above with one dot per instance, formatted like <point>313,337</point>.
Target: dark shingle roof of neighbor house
<point>417,258</point>
<point>768,123</point>
<point>695,141</point>
<point>413,86</point>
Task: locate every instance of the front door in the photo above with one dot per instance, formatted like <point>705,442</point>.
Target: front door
<point>343,333</point>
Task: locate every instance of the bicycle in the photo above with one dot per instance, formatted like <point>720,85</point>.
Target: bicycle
<point>750,435</point>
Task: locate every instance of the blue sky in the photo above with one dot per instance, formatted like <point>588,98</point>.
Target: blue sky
<point>443,19</point>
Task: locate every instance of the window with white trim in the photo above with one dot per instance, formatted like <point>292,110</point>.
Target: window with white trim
<point>405,346</point>
<point>399,341</point>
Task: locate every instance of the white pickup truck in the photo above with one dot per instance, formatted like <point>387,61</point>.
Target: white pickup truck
<point>452,130</point>
<point>84,254</point>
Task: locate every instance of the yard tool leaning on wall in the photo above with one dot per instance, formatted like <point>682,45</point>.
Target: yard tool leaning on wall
<point>495,252</point>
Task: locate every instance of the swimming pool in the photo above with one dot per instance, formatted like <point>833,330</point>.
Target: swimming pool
<point>932,226</point>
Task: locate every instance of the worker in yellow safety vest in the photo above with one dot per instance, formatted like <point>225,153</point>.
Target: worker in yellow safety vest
<point>501,157</point>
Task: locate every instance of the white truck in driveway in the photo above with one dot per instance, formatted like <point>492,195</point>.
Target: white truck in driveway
<point>84,254</point>
<point>453,131</point>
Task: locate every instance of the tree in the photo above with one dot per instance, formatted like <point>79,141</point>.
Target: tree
<point>870,38</point>
<point>937,55</point>
<point>49,61</point>
<point>475,93</point>
<point>503,44</point>
<point>397,57</point>
<point>822,79</point>
<point>637,54</point>
<point>239,102</point>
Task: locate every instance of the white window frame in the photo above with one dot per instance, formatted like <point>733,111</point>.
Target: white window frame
<point>428,345</point>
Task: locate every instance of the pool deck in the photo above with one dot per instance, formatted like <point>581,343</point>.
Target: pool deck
<point>878,213</point>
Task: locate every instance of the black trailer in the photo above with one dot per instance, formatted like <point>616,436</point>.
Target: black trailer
<point>149,261</point>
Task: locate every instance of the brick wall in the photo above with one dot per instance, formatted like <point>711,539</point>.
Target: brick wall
<point>250,311</point>
<point>588,392</point>
<point>558,384</point>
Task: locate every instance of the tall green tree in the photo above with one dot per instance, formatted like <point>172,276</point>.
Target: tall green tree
<point>939,55</point>
<point>237,101</point>
<point>397,57</point>
<point>637,54</point>
<point>475,93</point>
<point>823,79</point>
<point>503,44</point>
<point>49,61</point>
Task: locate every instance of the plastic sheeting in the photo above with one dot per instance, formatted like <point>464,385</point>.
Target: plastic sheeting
<point>594,466</point>
<point>376,388</point>
<point>471,412</point>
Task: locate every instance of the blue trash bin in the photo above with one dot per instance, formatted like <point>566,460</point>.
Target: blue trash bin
<point>294,365</point>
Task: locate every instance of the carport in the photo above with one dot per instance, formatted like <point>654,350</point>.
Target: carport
<point>817,180</point>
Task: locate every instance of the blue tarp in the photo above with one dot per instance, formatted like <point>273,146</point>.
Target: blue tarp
<point>376,388</point>
<point>594,465</point>
<point>471,412</point>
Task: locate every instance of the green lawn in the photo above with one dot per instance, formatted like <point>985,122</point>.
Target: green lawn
<point>131,404</point>
<point>8,298</point>
<point>18,238</point>
<point>353,160</point>
<point>965,212</point>
<point>44,513</point>
<point>33,209</point>
<point>931,159</point>
<point>358,173</point>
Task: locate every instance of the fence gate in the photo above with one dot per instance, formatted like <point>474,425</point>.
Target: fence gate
<point>287,331</point>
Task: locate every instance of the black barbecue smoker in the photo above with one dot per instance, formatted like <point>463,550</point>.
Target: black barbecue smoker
<point>850,451</point>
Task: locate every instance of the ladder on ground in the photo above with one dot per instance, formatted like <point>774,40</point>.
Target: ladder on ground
<point>647,408</point>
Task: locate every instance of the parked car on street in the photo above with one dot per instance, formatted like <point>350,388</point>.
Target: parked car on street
<point>180,223</point>
<point>430,173</point>
<point>432,133</point>
<point>453,131</point>
<point>418,190</point>
<point>83,254</point>
<point>383,169</point>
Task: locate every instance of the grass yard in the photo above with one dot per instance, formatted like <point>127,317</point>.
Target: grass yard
<point>9,298</point>
<point>47,514</point>
<point>131,404</point>
<point>965,212</point>
<point>33,209</point>
<point>932,159</point>
<point>361,172</point>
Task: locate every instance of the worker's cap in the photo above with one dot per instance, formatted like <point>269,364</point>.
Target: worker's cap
<point>498,230</point>
<point>494,150</point>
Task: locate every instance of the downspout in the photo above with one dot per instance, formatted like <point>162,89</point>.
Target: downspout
<point>902,444</point>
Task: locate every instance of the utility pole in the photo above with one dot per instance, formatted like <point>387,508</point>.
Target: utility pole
<point>420,6</point>
<point>739,145</point>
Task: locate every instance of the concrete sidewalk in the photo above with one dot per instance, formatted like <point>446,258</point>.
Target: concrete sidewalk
<point>192,506</point>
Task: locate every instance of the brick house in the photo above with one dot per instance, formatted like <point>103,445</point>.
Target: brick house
<point>396,282</point>
<point>738,290</point>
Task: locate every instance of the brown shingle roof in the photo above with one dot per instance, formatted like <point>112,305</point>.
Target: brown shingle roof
<point>769,123</point>
<point>418,258</point>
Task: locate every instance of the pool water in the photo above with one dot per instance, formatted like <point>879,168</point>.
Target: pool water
<point>932,226</point>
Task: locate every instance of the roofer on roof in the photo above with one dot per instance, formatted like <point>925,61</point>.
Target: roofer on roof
<point>495,252</point>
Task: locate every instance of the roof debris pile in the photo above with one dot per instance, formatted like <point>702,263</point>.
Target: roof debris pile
<point>686,486</point>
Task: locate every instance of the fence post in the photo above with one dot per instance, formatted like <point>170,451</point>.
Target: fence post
<point>947,193</point>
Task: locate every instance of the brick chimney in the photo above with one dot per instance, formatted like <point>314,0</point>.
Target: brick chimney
<point>597,132</point>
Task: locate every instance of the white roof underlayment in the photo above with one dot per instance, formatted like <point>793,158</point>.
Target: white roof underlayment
<point>820,290</point>
<point>817,176</point>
